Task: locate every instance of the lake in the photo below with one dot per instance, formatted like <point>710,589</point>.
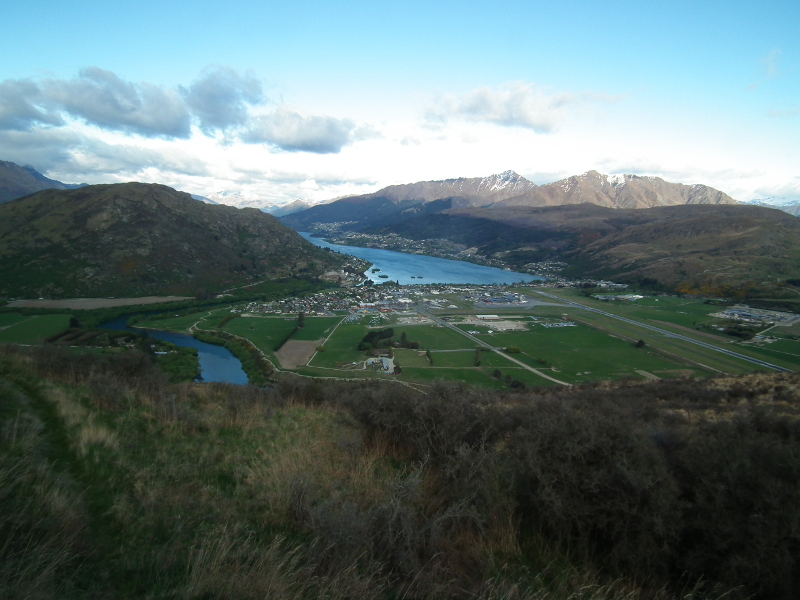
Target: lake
<point>216,362</point>
<point>415,268</point>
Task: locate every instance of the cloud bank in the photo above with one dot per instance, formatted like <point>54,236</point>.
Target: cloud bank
<point>221,100</point>
<point>293,132</point>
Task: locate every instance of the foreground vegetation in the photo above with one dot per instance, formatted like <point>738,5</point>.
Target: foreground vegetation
<point>115,483</point>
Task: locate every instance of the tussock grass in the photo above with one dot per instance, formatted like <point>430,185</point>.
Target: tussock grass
<point>116,483</point>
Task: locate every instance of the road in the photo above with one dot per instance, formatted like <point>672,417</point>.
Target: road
<point>669,334</point>
<point>490,347</point>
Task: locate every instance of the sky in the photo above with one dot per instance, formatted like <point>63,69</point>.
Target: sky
<point>314,100</point>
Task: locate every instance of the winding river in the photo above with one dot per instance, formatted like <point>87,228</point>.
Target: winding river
<point>216,363</point>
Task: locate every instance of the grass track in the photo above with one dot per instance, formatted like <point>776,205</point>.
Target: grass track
<point>34,330</point>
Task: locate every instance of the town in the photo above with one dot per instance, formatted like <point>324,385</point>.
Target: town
<point>440,248</point>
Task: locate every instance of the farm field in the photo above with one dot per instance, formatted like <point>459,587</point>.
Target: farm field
<point>8,319</point>
<point>581,353</point>
<point>31,329</point>
<point>679,311</point>
<point>597,347</point>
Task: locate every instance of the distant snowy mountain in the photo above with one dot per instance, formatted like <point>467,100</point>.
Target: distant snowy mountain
<point>248,200</point>
<point>241,200</point>
<point>618,191</point>
<point>789,206</point>
<point>203,199</point>
<point>288,209</point>
<point>476,191</point>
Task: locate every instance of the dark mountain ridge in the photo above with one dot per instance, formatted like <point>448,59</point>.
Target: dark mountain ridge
<point>17,181</point>
<point>137,238</point>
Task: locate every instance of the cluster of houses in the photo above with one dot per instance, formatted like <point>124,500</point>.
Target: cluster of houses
<point>382,299</point>
<point>618,297</point>
<point>744,314</point>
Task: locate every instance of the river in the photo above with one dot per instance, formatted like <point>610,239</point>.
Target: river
<point>416,268</point>
<point>216,362</point>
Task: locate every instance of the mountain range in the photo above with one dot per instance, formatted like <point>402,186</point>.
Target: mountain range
<point>140,239</point>
<point>626,227</point>
<point>395,203</point>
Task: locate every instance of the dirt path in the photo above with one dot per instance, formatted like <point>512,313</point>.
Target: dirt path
<point>91,303</point>
<point>647,375</point>
<point>296,353</point>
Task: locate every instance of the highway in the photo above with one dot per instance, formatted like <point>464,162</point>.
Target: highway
<point>670,334</point>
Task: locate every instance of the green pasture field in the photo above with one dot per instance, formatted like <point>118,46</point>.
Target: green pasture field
<point>411,358</point>
<point>8,319</point>
<point>791,347</point>
<point>431,337</point>
<point>34,330</point>
<point>342,346</point>
<point>264,332</point>
<point>462,359</point>
<point>205,320</point>
<point>582,353</point>
<point>471,376</point>
<point>785,330</point>
<point>785,353</point>
<point>679,311</point>
<point>316,328</point>
<point>700,359</point>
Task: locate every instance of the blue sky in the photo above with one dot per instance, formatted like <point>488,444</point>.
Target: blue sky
<point>315,100</point>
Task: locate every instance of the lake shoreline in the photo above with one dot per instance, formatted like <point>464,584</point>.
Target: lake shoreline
<point>419,269</point>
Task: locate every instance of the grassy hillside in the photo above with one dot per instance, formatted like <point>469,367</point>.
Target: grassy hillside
<point>117,484</point>
<point>139,239</point>
<point>704,245</point>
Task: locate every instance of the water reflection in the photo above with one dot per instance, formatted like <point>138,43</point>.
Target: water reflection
<point>416,268</point>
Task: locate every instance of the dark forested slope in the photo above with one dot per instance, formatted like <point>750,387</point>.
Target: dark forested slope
<point>137,238</point>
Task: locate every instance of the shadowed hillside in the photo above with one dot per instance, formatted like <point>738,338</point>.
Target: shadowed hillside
<point>691,244</point>
<point>139,239</point>
<point>17,181</point>
<point>118,484</point>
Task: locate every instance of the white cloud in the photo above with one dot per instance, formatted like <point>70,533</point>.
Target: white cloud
<point>515,104</point>
<point>220,99</point>
<point>22,106</point>
<point>791,111</point>
<point>101,98</point>
<point>290,131</point>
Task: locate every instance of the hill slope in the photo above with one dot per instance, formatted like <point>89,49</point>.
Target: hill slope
<point>17,181</point>
<point>137,238</point>
<point>700,245</point>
